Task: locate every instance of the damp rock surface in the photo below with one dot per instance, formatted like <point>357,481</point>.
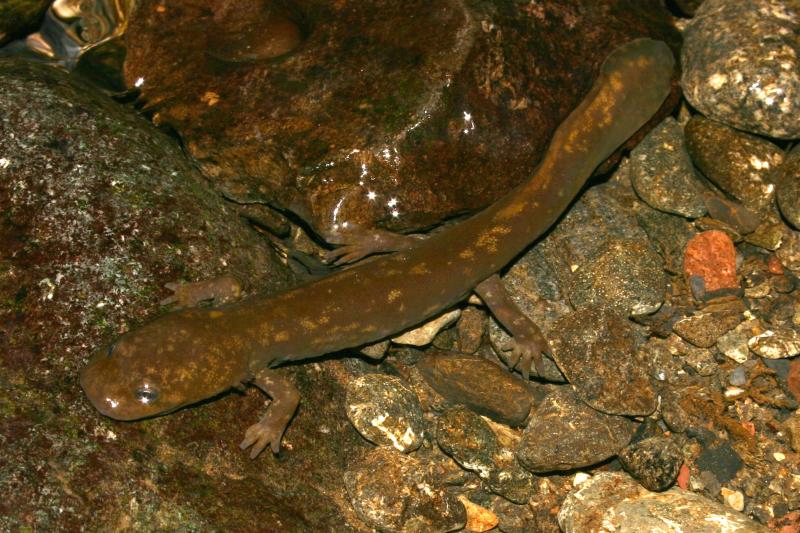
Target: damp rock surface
<point>654,462</point>
<point>394,492</point>
<point>614,502</point>
<point>740,65</point>
<point>565,433</point>
<point>787,184</point>
<point>385,113</point>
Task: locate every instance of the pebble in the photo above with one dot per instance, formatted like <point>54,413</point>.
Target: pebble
<point>793,378</point>
<point>628,276</point>
<point>564,433</point>
<point>733,499</point>
<point>662,173</point>
<point>709,264</point>
<point>654,462</point>
<point>768,236</point>
<point>741,66</point>
<point>481,385</point>
<point>705,327</point>
<point>669,233</point>
<point>776,343</point>
<point>385,411</point>
<point>737,377</point>
<point>738,163</point>
<point>424,334</point>
<point>787,187</point>
<point>595,349</point>
<point>479,519</point>
<point>470,441</point>
<point>789,251</point>
<point>392,491</point>
<point>612,501</point>
<point>733,213</point>
<point>471,327</point>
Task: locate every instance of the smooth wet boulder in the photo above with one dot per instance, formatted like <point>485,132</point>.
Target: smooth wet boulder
<point>98,209</point>
<point>397,114</point>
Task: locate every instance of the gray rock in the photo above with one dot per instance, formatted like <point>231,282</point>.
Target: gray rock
<point>468,439</point>
<point>385,411</point>
<point>738,163</point>
<point>565,433</point>
<point>612,501</point>
<point>737,377</point>
<point>669,233</point>
<point>706,326</point>
<point>595,349</point>
<point>391,491</point>
<point>787,186</point>
<point>654,462</point>
<point>662,172</point>
<point>741,66</point>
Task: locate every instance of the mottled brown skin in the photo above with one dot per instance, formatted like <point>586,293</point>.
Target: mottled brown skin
<point>193,354</point>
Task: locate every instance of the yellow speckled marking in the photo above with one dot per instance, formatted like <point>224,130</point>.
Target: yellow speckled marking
<point>394,294</point>
<point>466,254</point>
<point>511,210</point>
<point>282,336</point>
<point>215,314</point>
<point>420,268</point>
<point>308,324</point>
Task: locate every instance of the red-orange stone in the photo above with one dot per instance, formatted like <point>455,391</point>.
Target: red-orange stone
<point>711,256</point>
<point>774,265</point>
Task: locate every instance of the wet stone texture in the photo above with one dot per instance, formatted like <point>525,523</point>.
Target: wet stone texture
<point>614,502</point>
<point>385,411</point>
<point>97,211</point>
<point>738,163</point>
<point>479,384</point>
<point>394,492</point>
<point>386,113</point>
<point>595,348</point>
<point>787,185</point>
<point>654,462</point>
<point>740,65</point>
<point>19,17</point>
<point>564,433</point>
<point>662,172</point>
<point>709,264</point>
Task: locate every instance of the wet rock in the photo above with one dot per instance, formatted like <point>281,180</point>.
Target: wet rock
<point>627,276</point>
<point>387,113</point>
<point>740,65</point>
<point>721,460</point>
<point>706,326</point>
<point>385,411</point>
<point>20,17</point>
<point>688,7</point>
<point>99,211</point>
<point>792,427</point>
<point>738,163</point>
<point>471,327</point>
<point>709,265</point>
<point>425,333</point>
<point>737,377</point>
<point>595,349</point>
<point>787,187</point>
<point>392,491</point>
<point>701,360</point>
<point>734,214</point>
<point>564,433</point>
<point>769,235</point>
<point>479,519</point>
<point>613,501</point>
<point>669,233</point>
<point>663,175</point>
<point>654,462</point>
<point>776,343</point>
<point>789,251</point>
<point>733,499</point>
<point>481,385</point>
<point>793,379</point>
<point>468,439</point>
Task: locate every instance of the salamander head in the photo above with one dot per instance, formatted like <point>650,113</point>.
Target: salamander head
<point>169,363</point>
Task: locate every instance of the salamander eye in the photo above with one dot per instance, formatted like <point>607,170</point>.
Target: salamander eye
<point>146,393</point>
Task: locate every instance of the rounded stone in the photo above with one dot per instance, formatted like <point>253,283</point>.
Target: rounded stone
<point>385,411</point>
<point>653,462</point>
<point>741,65</point>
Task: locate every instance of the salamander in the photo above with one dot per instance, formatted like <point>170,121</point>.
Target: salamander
<point>189,355</point>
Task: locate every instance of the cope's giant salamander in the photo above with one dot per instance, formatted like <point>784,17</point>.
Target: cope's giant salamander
<point>193,354</point>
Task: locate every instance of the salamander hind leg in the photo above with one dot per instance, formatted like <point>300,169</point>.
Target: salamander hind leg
<point>270,428</point>
<point>527,344</point>
<point>356,243</point>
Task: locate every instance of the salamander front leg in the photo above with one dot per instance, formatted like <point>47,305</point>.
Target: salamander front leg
<point>356,243</point>
<point>527,343</point>
<point>220,290</point>
<point>269,430</point>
